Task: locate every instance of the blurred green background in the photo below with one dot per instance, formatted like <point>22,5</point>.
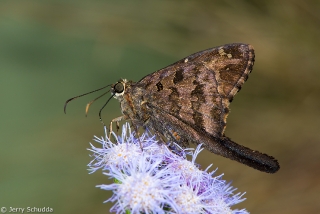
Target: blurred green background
<point>53,50</point>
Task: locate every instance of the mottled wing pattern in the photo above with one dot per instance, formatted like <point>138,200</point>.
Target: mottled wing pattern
<point>198,89</point>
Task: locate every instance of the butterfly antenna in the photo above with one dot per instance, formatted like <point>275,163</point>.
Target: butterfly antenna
<point>89,104</point>
<point>73,98</point>
<point>103,108</point>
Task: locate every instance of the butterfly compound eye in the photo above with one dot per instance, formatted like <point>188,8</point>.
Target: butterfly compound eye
<point>118,88</point>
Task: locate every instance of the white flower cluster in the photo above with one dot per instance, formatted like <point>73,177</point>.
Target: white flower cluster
<point>156,180</point>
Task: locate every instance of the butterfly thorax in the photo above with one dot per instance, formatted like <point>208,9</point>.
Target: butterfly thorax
<point>132,102</point>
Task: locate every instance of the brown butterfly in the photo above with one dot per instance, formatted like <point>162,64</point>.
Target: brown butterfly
<point>188,101</point>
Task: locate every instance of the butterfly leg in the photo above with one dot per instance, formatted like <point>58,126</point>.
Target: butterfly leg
<point>117,120</point>
<point>135,128</point>
<point>160,137</point>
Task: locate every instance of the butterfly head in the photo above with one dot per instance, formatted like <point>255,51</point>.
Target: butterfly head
<point>118,89</point>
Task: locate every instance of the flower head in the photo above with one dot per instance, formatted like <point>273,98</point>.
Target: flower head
<point>141,186</point>
<point>153,179</point>
<point>126,149</point>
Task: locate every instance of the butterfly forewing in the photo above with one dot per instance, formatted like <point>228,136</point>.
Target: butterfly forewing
<point>197,89</point>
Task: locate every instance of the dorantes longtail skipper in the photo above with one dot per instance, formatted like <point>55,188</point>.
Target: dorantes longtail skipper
<point>188,101</point>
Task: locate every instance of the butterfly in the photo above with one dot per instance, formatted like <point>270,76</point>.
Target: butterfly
<point>188,101</point>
